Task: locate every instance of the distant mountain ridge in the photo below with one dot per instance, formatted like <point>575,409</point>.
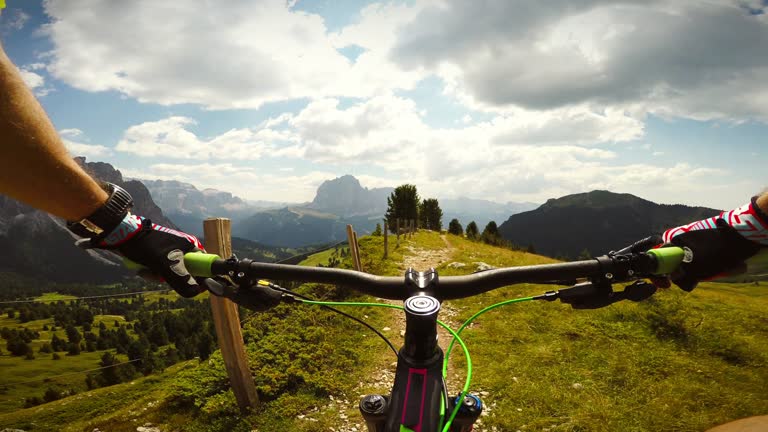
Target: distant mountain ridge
<point>345,197</point>
<point>188,206</point>
<point>337,203</point>
<point>598,221</point>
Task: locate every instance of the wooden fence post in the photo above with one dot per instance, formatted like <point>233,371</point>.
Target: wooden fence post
<point>398,232</point>
<point>386,236</point>
<point>218,240</point>
<point>352,239</point>
<point>357,251</point>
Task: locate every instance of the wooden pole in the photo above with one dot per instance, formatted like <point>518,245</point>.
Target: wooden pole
<point>352,239</point>
<point>218,240</point>
<point>386,236</point>
<point>357,251</point>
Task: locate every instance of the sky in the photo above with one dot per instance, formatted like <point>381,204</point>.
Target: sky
<point>505,100</point>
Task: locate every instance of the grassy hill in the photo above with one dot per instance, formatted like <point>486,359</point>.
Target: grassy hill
<point>681,361</point>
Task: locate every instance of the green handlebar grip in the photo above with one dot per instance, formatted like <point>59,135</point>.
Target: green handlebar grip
<point>197,263</point>
<point>668,259</point>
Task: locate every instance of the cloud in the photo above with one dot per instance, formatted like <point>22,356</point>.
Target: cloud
<point>12,20</point>
<point>227,54</point>
<point>34,80</point>
<point>88,150</point>
<point>73,133</point>
<point>31,79</point>
<point>687,59</point>
<point>669,58</point>
<point>172,138</point>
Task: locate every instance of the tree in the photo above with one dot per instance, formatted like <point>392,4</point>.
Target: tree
<point>454,227</point>
<point>490,234</point>
<point>52,394</point>
<point>73,349</point>
<point>58,344</point>
<point>403,203</point>
<point>73,336</point>
<point>472,232</point>
<point>430,215</point>
<point>377,231</point>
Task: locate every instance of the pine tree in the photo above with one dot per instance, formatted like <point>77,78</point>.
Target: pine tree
<point>472,231</point>
<point>454,227</point>
<point>490,234</point>
<point>431,215</point>
<point>73,336</point>
<point>403,204</point>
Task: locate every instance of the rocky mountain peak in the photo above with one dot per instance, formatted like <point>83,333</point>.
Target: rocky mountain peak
<point>346,197</point>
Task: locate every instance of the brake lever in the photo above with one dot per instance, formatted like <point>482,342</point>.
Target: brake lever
<point>596,295</point>
<point>256,297</point>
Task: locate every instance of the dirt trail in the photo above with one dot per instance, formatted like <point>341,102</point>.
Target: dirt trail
<point>422,259</point>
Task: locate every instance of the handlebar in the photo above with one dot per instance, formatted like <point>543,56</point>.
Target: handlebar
<point>612,267</point>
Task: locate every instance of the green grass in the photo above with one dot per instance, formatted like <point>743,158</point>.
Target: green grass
<point>26,378</point>
<point>54,296</point>
<point>118,407</point>
<point>318,258</point>
<point>43,371</point>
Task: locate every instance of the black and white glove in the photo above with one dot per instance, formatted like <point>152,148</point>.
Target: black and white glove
<point>158,248</point>
<point>719,245</point>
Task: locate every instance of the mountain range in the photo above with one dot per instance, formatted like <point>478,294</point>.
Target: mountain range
<point>338,202</point>
<point>188,206</point>
<point>597,221</point>
<point>37,244</point>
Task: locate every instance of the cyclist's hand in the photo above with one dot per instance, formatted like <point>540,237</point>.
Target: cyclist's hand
<point>718,245</point>
<point>156,247</point>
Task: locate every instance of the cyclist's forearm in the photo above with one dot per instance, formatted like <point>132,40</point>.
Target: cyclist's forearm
<point>35,167</point>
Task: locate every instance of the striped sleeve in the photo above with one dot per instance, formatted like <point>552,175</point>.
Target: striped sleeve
<point>747,220</point>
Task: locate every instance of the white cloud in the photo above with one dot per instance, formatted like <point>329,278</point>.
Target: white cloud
<point>34,80</point>
<point>72,133</point>
<point>31,79</point>
<point>171,138</point>
<point>88,150</point>
<point>227,54</point>
<point>665,57</point>
<point>701,60</point>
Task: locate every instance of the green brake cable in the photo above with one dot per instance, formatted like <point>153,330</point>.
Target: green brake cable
<point>442,324</point>
<point>469,321</point>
